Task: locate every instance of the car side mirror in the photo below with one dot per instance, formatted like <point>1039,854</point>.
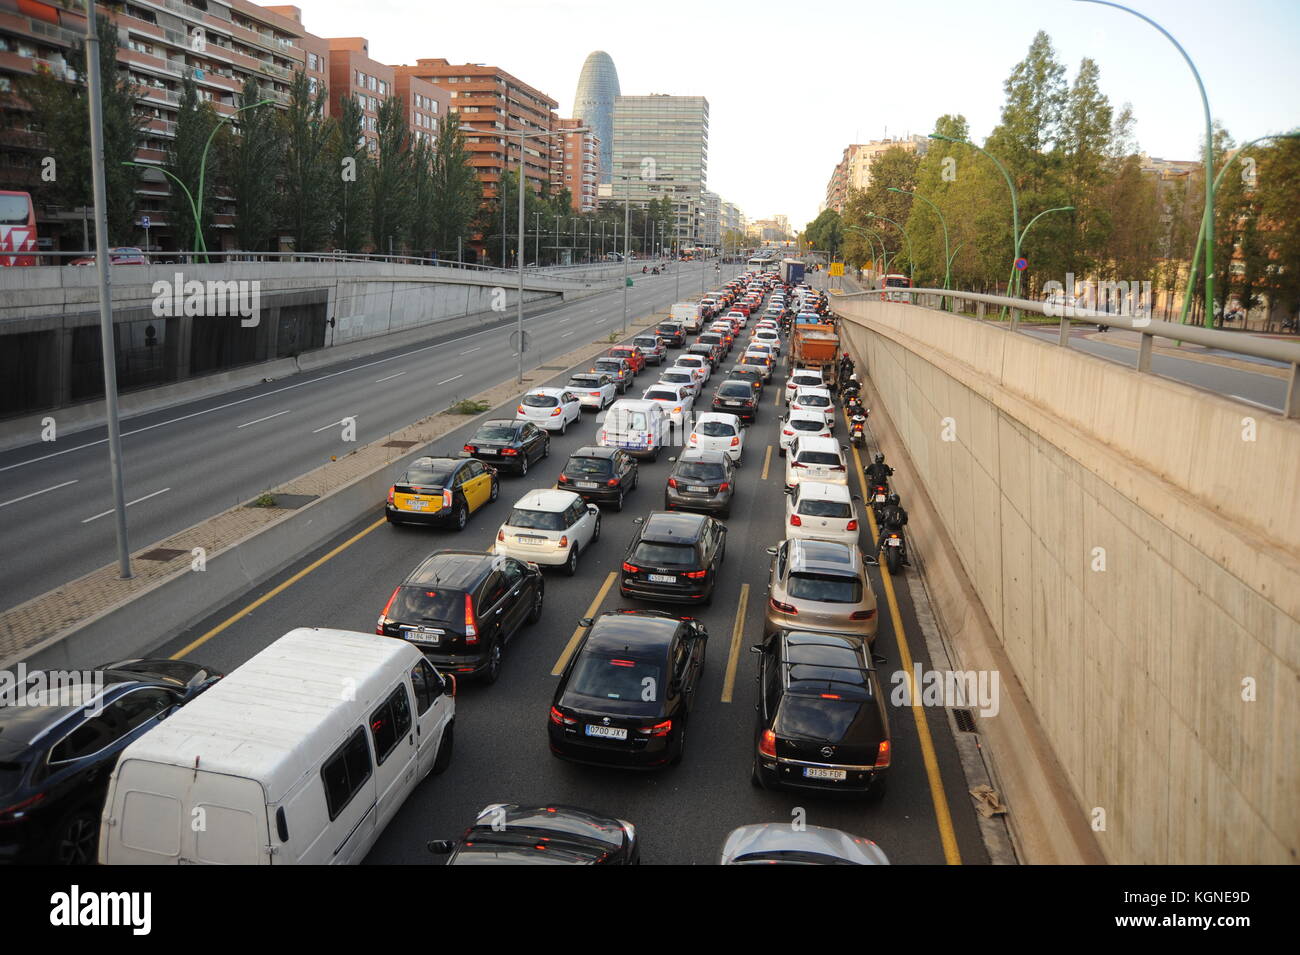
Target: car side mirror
<point>879,659</point>
<point>772,550</point>
<point>585,621</point>
<point>440,847</point>
<point>638,520</point>
<point>593,509</point>
<point>756,648</point>
<point>672,460</point>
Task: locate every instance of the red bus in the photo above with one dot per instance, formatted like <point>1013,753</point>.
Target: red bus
<point>895,281</point>
<point>17,229</point>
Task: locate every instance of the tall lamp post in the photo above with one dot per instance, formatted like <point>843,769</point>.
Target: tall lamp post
<point>947,275</point>
<point>199,244</point>
<point>519,313</point>
<point>906,240</point>
<point>869,233</point>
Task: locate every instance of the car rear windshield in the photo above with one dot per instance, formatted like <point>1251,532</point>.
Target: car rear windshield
<point>712,338</point>
<point>815,401</point>
<point>669,329</point>
<point>614,366</point>
<point>624,420</point>
<point>664,555</point>
<point>816,508</point>
<point>808,380</point>
<point>660,396</point>
<point>825,588</point>
<point>616,678</point>
<point>495,432</point>
<point>537,520</point>
<point>434,476</point>
<point>541,401</point>
<point>716,429</point>
<point>590,382</point>
<point>588,466</point>
<point>816,718</point>
<point>803,424</point>
<point>706,471</point>
<point>677,376</point>
<point>433,604</point>
<point>823,458</point>
<point>736,389</point>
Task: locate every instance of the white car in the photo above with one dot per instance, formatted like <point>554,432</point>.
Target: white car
<point>695,361</point>
<point>821,510</point>
<point>767,336</point>
<point>551,408</point>
<point>715,431</point>
<point>678,401</point>
<point>762,358</point>
<point>815,459</point>
<point>594,389</point>
<point>739,317</point>
<point>681,378</point>
<point>803,378</point>
<point>815,399</point>
<point>549,527</point>
<point>809,424</point>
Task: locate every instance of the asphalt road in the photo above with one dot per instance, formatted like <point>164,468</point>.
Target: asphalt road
<point>191,461</point>
<point>682,813</point>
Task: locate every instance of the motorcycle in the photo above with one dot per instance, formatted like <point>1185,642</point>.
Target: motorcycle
<point>654,271</point>
<point>858,431</point>
<point>877,498</point>
<point>893,550</point>
<point>853,406</point>
<point>645,269</point>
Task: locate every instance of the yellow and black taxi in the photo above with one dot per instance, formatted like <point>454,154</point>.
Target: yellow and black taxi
<point>441,491</point>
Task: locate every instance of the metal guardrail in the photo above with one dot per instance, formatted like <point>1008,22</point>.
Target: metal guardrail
<point>1240,343</point>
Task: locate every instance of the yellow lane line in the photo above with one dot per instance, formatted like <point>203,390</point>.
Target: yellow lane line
<point>780,391</point>
<point>737,633</point>
<point>577,631</point>
<point>236,617</point>
<point>943,815</point>
<point>767,460</point>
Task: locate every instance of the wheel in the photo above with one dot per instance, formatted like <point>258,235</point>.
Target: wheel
<point>595,534</point>
<point>461,516</point>
<point>445,747</point>
<point>76,838</point>
<point>681,747</point>
<point>618,501</point>
<point>654,455</point>
<point>571,565</point>
<point>493,670</point>
<point>892,559</point>
<point>708,600</point>
<point>523,466</point>
<point>535,612</point>
<point>564,426</point>
<point>755,777</point>
<point>496,489</point>
<point>780,451</point>
<point>546,448</point>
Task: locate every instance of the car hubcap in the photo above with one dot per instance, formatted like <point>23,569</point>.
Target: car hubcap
<point>74,848</point>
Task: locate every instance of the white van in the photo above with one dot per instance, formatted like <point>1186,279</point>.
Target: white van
<point>688,313</point>
<point>638,426</point>
<point>303,757</point>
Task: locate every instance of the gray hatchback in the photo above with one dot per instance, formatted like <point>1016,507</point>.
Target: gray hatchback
<point>701,481</point>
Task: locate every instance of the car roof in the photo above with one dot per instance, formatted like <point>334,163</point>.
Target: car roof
<point>811,555</point>
<point>452,569</point>
<point>594,451</point>
<point>546,499</point>
<point>691,455</point>
<point>673,527</point>
<point>647,631</point>
<point>824,491</point>
<point>547,390</point>
<point>511,423</point>
<point>812,390</point>
<point>722,416</point>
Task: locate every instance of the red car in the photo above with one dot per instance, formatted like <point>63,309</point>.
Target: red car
<point>631,354</point>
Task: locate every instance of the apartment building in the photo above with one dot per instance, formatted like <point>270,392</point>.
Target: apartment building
<point>354,73</point>
<point>426,103</point>
<point>575,165</point>
<point>853,171</point>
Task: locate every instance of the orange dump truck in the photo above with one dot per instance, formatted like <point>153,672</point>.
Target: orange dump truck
<point>816,346</point>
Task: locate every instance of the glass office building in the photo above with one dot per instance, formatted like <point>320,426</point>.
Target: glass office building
<point>594,102</point>
<point>661,150</point>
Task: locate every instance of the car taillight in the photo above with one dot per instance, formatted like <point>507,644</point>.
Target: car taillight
<point>564,540</point>
<point>612,482</point>
<point>501,536</point>
<point>16,812</point>
<point>520,409</point>
<point>782,607</point>
<point>383,615</point>
<point>391,492</point>
<point>563,478</point>
<point>882,755</point>
<point>693,438</point>
<point>796,521</point>
<point>509,451</point>
<point>767,743</point>
<point>658,729</point>
<point>735,442</point>
<point>446,497</point>
<point>851,525</point>
<point>786,433</point>
<point>470,448</point>
<point>798,464</point>
<point>556,411</point>
<point>696,574</point>
<point>630,568</point>
<point>471,622</point>
<point>593,394</point>
<point>672,482</point>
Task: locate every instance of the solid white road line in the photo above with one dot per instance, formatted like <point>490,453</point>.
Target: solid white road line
<point>260,420</point>
<point>35,493</point>
<point>389,378</point>
<point>450,380</point>
<point>468,350</point>
<point>128,504</point>
<point>332,424</point>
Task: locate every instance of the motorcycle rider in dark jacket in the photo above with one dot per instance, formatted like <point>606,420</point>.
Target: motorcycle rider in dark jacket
<point>878,472</point>
<point>893,517</point>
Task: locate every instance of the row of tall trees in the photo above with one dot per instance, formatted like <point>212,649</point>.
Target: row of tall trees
<point>1063,143</point>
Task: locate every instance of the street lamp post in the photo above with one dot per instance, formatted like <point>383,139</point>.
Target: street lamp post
<point>947,275</point>
<point>199,243</point>
<point>1015,208</point>
<point>906,240</point>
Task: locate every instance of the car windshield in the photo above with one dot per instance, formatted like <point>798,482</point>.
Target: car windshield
<point>825,588</point>
<point>616,678</point>
<point>588,466</point>
<point>801,717</point>
<point>702,471</point>
<point>716,429</point>
<point>660,396</point>
<point>495,432</point>
<point>824,458</point>
<point>541,401</point>
<point>822,508</point>
<point>434,475</point>
<point>537,520</point>
<point>803,424</point>
<point>413,604</point>
<point>736,389</point>
<point>623,420</point>
<point>664,555</point>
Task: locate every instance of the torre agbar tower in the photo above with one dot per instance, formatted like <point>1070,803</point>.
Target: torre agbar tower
<point>594,104</point>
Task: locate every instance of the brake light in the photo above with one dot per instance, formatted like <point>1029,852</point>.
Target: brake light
<point>564,540</point>
<point>696,574</point>
<point>851,525</point>
<point>883,755</point>
<point>658,729</point>
<point>767,743</point>
<point>786,433</point>
<point>795,521</point>
<point>798,464</point>
<point>520,409</point>
<point>446,497</point>
<point>391,492</point>
<point>672,482</point>
<point>509,451</point>
<point>559,719</point>
<point>470,448</point>
<point>501,536</point>
<point>556,411</point>
<point>383,615</point>
<point>735,442</point>
<point>693,438</point>
<point>471,622</point>
<point>593,394</point>
<point>630,568</point>
<point>725,485</point>
<point>563,478</point>
<point>612,482</point>
<point>831,696</point>
<point>781,607</point>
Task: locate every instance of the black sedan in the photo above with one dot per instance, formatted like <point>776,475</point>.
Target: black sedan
<point>505,443</point>
<point>506,834</point>
<point>822,720</point>
<point>674,558</point>
<point>626,693</point>
<point>600,475</point>
<point>57,753</point>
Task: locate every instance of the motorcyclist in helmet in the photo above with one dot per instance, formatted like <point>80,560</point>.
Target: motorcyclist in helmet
<point>878,472</point>
<point>893,517</point>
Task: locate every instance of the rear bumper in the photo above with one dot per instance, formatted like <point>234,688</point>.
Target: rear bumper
<point>571,745</point>
<point>436,518</point>
<point>784,774</point>
<point>689,593</point>
<point>673,500</point>
<point>543,556</point>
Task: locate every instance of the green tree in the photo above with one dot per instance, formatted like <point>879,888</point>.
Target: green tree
<point>825,233</point>
<point>895,167</point>
<point>195,121</point>
<point>1087,129</point>
<point>390,183</point>
<point>1277,171</point>
<point>306,206</point>
<point>252,163</point>
<point>456,192</point>
<point>351,173</point>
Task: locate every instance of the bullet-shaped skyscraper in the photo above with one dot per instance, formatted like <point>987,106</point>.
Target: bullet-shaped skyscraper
<point>594,103</point>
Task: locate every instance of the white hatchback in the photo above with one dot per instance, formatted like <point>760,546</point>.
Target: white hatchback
<point>551,408</point>
<point>823,511</point>
<point>695,361</point>
<point>549,527</point>
<point>678,401</point>
<point>801,424</point>
<point>681,378</point>
<point>803,378</point>
<point>815,459</point>
<point>815,399</point>
<point>715,431</point>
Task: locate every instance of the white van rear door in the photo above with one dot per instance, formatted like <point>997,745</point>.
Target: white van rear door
<point>433,711</point>
<point>392,736</point>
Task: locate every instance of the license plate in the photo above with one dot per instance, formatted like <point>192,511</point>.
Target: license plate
<point>607,732</point>
<point>430,639</point>
<point>816,772</point>
<point>732,404</point>
<point>894,542</point>
<point>880,499</point>
<point>662,579</point>
<point>698,489</point>
<point>417,505</point>
<point>586,484</point>
<point>530,539</point>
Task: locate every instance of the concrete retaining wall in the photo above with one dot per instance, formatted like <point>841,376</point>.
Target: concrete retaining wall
<point>1042,463</point>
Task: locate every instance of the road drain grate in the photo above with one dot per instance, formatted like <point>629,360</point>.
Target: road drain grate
<point>162,554</point>
<point>399,444</point>
<point>965,722</point>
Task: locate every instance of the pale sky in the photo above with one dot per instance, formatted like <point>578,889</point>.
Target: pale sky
<point>789,85</point>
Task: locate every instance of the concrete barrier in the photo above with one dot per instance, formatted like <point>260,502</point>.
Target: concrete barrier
<point>1135,544</point>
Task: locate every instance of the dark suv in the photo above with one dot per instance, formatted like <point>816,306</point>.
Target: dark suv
<point>737,396</point>
<point>701,481</point>
<point>461,608</point>
<point>599,475</point>
<point>674,558</point>
<point>822,721</point>
<point>673,333</point>
<point>60,736</point>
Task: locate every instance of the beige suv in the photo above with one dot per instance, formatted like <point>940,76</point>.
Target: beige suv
<point>820,585</point>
